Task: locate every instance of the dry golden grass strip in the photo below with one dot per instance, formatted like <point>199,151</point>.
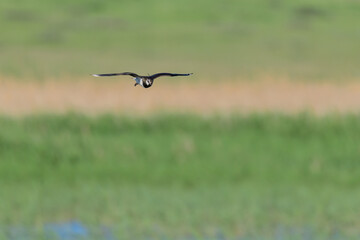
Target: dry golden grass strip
<point>120,96</point>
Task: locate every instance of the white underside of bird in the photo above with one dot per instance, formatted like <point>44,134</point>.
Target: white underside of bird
<point>139,81</point>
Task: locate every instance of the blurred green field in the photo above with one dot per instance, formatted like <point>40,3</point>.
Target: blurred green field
<point>172,175</point>
<point>299,39</point>
<point>176,175</point>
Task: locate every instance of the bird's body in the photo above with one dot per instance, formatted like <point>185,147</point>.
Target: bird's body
<point>144,81</point>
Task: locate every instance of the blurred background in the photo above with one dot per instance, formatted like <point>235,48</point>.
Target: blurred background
<point>262,142</point>
<point>301,39</point>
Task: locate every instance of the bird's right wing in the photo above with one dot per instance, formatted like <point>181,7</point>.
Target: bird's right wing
<point>115,74</point>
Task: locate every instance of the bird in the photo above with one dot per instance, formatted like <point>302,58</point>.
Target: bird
<point>144,81</point>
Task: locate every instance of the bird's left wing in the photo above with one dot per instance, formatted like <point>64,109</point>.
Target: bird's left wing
<point>169,74</point>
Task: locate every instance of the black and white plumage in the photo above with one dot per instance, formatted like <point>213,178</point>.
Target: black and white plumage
<point>144,81</point>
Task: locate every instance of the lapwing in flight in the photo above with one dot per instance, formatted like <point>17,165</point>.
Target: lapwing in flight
<point>144,81</point>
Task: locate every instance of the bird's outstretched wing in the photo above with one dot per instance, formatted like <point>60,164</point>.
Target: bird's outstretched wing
<point>115,74</point>
<point>169,74</point>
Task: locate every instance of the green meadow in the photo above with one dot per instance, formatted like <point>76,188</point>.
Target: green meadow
<point>217,40</point>
<point>173,175</point>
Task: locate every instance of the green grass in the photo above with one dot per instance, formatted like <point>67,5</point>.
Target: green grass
<point>300,39</point>
<point>175,175</point>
